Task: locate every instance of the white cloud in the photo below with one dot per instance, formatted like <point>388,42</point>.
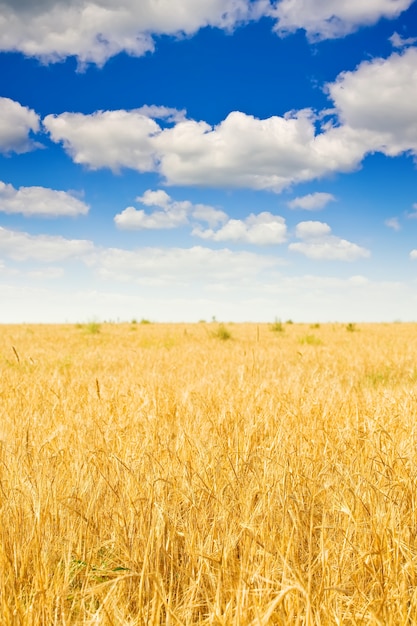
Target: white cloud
<point>39,201</point>
<point>162,113</point>
<point>16,123</point>
<point>328,19</point>
<point>319,244</point>
<point>137,219</point>
<point>401,42</point>
<point>413,255</point>
<point>311,201</point>
<point>112,139</point>
<point>179,266</point>
<point>20,246</point>
<point>393,223</point>
<point>262,230</point>
<point>374,112</point>
<point>95,30</point>
<point>306,230</point>
<point>191,270</point>
<point>330,249</point>
<point>208,214</point>
<point>241,151</point>
<point>378,99</point>
<point>169,213</point>
<point>158,198</point>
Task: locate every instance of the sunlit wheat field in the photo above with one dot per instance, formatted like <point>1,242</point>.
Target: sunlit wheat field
<point>234,474</point>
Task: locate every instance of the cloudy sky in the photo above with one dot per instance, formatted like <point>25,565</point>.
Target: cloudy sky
<point>243,159</point>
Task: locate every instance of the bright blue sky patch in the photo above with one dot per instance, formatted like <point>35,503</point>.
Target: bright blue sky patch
<point>174,161</point>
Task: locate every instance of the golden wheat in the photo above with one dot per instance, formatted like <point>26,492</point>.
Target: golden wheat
<point>157,474</point>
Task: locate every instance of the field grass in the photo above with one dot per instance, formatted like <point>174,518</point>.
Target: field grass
<point>157,474</point>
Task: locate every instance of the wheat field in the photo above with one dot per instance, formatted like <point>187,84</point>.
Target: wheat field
<point>167,474</point>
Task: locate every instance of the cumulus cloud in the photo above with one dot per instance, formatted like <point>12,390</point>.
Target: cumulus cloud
<point>21,246</point>
<point>241,151</point>
<point>378,99</point>
<point>312,229</point>
<point>137,219</point>
<point>262,230</point>
<point>16,123</point>
<point>158,198</point>
<point>373,112</point>
<point>39,201</point>
<point>168,214</point>
<point>112,139</point>
<point>95,30</point>
<point>319,244</point>
<point>329,19</point>
<point>393,223</point>
<point>311,201</point>
<point>413,255</point>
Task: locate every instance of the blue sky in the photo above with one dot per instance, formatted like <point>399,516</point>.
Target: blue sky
<point>248,160</point>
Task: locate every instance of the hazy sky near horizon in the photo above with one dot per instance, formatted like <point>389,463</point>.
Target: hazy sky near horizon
<point>248,160</point>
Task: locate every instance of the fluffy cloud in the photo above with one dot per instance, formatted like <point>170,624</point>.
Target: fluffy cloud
<point>373,111</point>
<point>378,99</point>
<point>319,244</point>
<point>95,30</point>
<point>413,255</point>
<point>158,198</point>
<point>169,213</point>
<point>137,219</point>
<point>262,230</point>
<point>311,201</point>
<point>16,123</point>
<point>20,246</point>
<point>312,229</point>
<point>241,151</point>
<point>39,201</point>
<point>329,19</point>
<point>112,139</point>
